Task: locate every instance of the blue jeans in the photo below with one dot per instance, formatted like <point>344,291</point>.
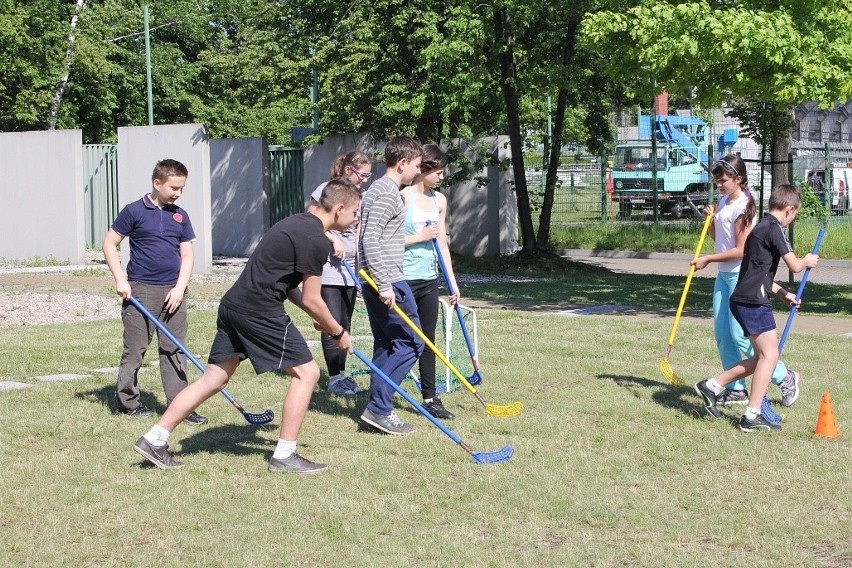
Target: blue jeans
<point>732,342</point>
<point>396,347</point>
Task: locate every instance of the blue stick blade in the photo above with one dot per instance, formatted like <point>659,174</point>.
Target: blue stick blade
<point>767,411</point>
<point>264,417</point>
<point>475,378</point>
<point>501,455</point>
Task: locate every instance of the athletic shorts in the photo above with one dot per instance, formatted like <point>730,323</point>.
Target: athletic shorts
<point>269,342</point>
<point>753,318</point>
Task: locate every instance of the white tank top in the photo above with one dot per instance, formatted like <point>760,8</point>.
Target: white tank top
<point>723,223</point>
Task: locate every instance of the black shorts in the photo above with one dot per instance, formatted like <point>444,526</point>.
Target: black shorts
<point>753,318</point>
<point>269,342</point>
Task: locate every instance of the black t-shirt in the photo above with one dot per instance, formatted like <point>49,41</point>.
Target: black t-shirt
<point>764,247</point>
<point>293,247</point>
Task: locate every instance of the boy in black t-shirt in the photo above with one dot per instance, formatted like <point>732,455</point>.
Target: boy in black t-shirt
<point>252,324</point>
<point>751,305</point>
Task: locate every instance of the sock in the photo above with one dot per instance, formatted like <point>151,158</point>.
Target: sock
<point>427,400</point>
<point>714,386</point>
<point>284,449</point>
<point>751,413</point>
<point>157,435</point>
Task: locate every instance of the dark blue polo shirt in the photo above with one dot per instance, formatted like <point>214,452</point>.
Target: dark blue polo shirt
<point>155,236</point>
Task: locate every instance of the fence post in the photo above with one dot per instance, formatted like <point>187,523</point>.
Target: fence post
<point>604,195</point>
<point>791,229</point>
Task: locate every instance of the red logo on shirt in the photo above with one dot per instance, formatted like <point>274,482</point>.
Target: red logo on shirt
<point>178,217</point>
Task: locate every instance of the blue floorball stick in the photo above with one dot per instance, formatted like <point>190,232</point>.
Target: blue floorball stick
<point>766,407</point>
<point>503,454</point>
<point>264,417</point>
<point>476,377</point>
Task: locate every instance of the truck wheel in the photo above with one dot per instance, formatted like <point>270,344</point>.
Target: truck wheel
<point>676,211</point>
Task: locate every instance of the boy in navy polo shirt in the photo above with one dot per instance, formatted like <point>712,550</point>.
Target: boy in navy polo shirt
<point>253,324</point>
<point>751,305</point>
<point>161,259</point>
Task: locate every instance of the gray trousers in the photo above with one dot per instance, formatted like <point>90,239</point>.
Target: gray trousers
<point>138,332</point>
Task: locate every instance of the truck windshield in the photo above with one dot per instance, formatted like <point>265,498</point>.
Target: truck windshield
<point>637,158</point>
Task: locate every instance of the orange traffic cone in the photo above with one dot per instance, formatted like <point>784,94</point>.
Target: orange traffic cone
<point>826,425</point>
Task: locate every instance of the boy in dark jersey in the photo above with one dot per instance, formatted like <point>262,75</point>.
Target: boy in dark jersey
<point>161,257</point>
<point>252,324</point>
<point>751,305</point>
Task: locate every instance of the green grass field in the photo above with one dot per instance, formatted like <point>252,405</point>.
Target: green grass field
<point>612,466</point>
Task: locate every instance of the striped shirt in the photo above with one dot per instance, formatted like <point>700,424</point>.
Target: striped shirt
<point>382,240</point>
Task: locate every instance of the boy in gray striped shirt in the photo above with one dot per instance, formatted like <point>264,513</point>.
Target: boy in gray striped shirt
<point>382,246</point>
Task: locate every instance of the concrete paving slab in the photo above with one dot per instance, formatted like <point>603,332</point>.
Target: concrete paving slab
<point>13,385</point>
<point>63,377</point>
<point>593,310</point>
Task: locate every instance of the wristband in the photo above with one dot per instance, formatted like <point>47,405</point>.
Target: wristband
<point>338,335</point>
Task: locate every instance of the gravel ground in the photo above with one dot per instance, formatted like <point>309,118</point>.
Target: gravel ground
<point>41,296</point>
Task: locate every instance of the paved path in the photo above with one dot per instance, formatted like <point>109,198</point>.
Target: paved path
<point>677,264</point>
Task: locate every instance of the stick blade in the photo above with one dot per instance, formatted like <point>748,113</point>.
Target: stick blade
<point>669,374</point>
<point>504,411</point>
<point>501,455</point>
<point>264,417</point>
<point>769,413</point>
<point>475,378</point>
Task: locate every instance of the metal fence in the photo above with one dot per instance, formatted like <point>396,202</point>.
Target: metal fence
<point>286,192</point>
<point>619,189</point>
<point>100,171</point>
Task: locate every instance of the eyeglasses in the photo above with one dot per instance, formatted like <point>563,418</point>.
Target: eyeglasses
<point>361,175</point>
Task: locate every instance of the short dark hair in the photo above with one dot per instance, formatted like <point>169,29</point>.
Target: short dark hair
<point>337,191</point>
<point>166,168</point>
<point>402,148</point>
<point>784,195</point>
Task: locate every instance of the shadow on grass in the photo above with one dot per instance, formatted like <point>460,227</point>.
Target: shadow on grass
<point>682,399</point>
<point>105,396</point>
<point>557,284</point>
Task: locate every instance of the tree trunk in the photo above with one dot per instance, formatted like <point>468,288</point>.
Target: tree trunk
<point>69,59</point>
<point>782,143</point>
<point>543,239</point>
<point>505,39</point>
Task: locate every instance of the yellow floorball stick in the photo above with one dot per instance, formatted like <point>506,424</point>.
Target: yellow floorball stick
<point>665,366</point>
<point>502,411</point>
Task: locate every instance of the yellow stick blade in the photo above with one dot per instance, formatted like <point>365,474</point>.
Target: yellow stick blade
<point>669,374</point>
<point>504,411</point>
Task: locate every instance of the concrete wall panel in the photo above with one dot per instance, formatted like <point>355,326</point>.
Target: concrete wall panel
<point>239,186</point>
<point>42,188</point>
<point>141,147</point>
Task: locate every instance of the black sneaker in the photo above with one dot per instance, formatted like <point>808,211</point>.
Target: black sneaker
<point>390,424</point>
<point>436,408</point>
<point>195,419</point>
<point>138,412</point>
<point>159,456</point>
<point>709,398</point>
<point>294,463</point>
<point>757,424</point>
